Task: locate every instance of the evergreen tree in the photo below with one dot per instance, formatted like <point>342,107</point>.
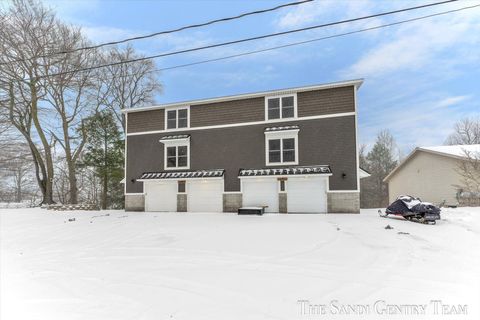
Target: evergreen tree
<point>104,153</point>
<point>380,161</point>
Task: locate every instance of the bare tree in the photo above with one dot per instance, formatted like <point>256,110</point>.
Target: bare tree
<point>469,172</point>
<point>71,95</point>
<point>466,131</point>
<point>128,85</point>
<point>25,32</point>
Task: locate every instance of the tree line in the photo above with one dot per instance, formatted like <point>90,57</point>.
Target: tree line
<point>64,131</point>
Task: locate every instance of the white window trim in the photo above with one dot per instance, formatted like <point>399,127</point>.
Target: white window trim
<point>176,120</point>
<point>275,135</point>
<point>295,107</point>
<point>176,143</point>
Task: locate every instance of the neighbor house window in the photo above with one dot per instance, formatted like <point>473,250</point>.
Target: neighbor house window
<point>281,147</point>
<point>177,157</point>
<point>281,107</point>
<point>177,118</point>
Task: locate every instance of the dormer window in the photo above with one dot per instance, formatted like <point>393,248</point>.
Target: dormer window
<point>177,118</point>
<point>281,107</point>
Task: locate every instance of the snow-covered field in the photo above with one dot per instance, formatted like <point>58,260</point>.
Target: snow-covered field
<point>117,265</point>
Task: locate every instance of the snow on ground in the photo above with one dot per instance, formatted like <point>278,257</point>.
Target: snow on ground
<point>117,265</point>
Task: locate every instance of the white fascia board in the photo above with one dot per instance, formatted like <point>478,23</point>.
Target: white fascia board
<point>356,82</point>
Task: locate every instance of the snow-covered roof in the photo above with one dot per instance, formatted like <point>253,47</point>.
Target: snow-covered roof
<point>175,137</point>
<point>284,128</point>
<point>454,151</point>
<point>285,171</point>
<point>214,173</point>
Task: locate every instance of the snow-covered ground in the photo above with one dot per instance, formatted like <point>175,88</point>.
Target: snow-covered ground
<point>117,265</point>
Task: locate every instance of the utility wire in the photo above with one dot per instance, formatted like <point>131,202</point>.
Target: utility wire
<point>301,42</point>
<point>246,39</point>
<point>164,32</point>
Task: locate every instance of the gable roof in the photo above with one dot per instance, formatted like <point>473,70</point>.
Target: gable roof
<point>455,151</point>
<point>356,82</point>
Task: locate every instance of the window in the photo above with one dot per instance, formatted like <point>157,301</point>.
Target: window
<point>177,118</point>
<point>281,147</point>
<point>281,150</point>
<point>281,107</point>
<point>176,152</point>
<point>181,187</point>
<point>177,157</point>
<point>282,184</point>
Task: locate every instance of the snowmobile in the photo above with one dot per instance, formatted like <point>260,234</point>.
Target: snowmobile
<point>413,209</point>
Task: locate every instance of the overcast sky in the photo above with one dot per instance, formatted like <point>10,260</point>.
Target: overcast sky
<point>419,77</point>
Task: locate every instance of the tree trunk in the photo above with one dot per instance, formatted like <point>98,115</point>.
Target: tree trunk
<point>48,196</point>
<point>18,187</point>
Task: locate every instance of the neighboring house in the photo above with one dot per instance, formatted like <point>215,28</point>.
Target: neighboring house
<point>293,150</point>
<point>430,173</point>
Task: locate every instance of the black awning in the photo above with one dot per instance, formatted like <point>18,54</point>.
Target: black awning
<point>324,169</point>
<point>214,173</point>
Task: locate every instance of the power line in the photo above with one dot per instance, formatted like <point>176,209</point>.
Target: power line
<point>304,42</point>
<point>163,32</point>
<point>246,39</point>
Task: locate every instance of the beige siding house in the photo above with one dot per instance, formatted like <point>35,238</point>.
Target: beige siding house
<point>429,173</point>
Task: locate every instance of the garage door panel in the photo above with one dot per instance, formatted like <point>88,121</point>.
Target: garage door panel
<point>260,192</point>
<point>161,196</point>
<point>307,195</point>
<point>205,196</point>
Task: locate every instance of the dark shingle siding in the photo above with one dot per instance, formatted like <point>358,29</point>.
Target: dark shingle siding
<point>228,112</point>
<point>310,103</point>
<point>146,121</point>
<point>320,102</point>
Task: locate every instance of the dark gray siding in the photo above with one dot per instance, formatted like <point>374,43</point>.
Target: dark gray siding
<point>329,141</point>
<point>228,112</point>
<point>319,102</point>
<point>146,121</point>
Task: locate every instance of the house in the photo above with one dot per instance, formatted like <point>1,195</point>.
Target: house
<point>430,173</point>
<point>291,150</point>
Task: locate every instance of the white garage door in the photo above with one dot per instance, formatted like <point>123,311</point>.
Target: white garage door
<point>260,192</point>
<point>161,196</point>
<point>205,195</point>
<point>307,194</point>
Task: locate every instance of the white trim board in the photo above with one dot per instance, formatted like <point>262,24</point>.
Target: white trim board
<point>355,82</point>
<point>241,124</point>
